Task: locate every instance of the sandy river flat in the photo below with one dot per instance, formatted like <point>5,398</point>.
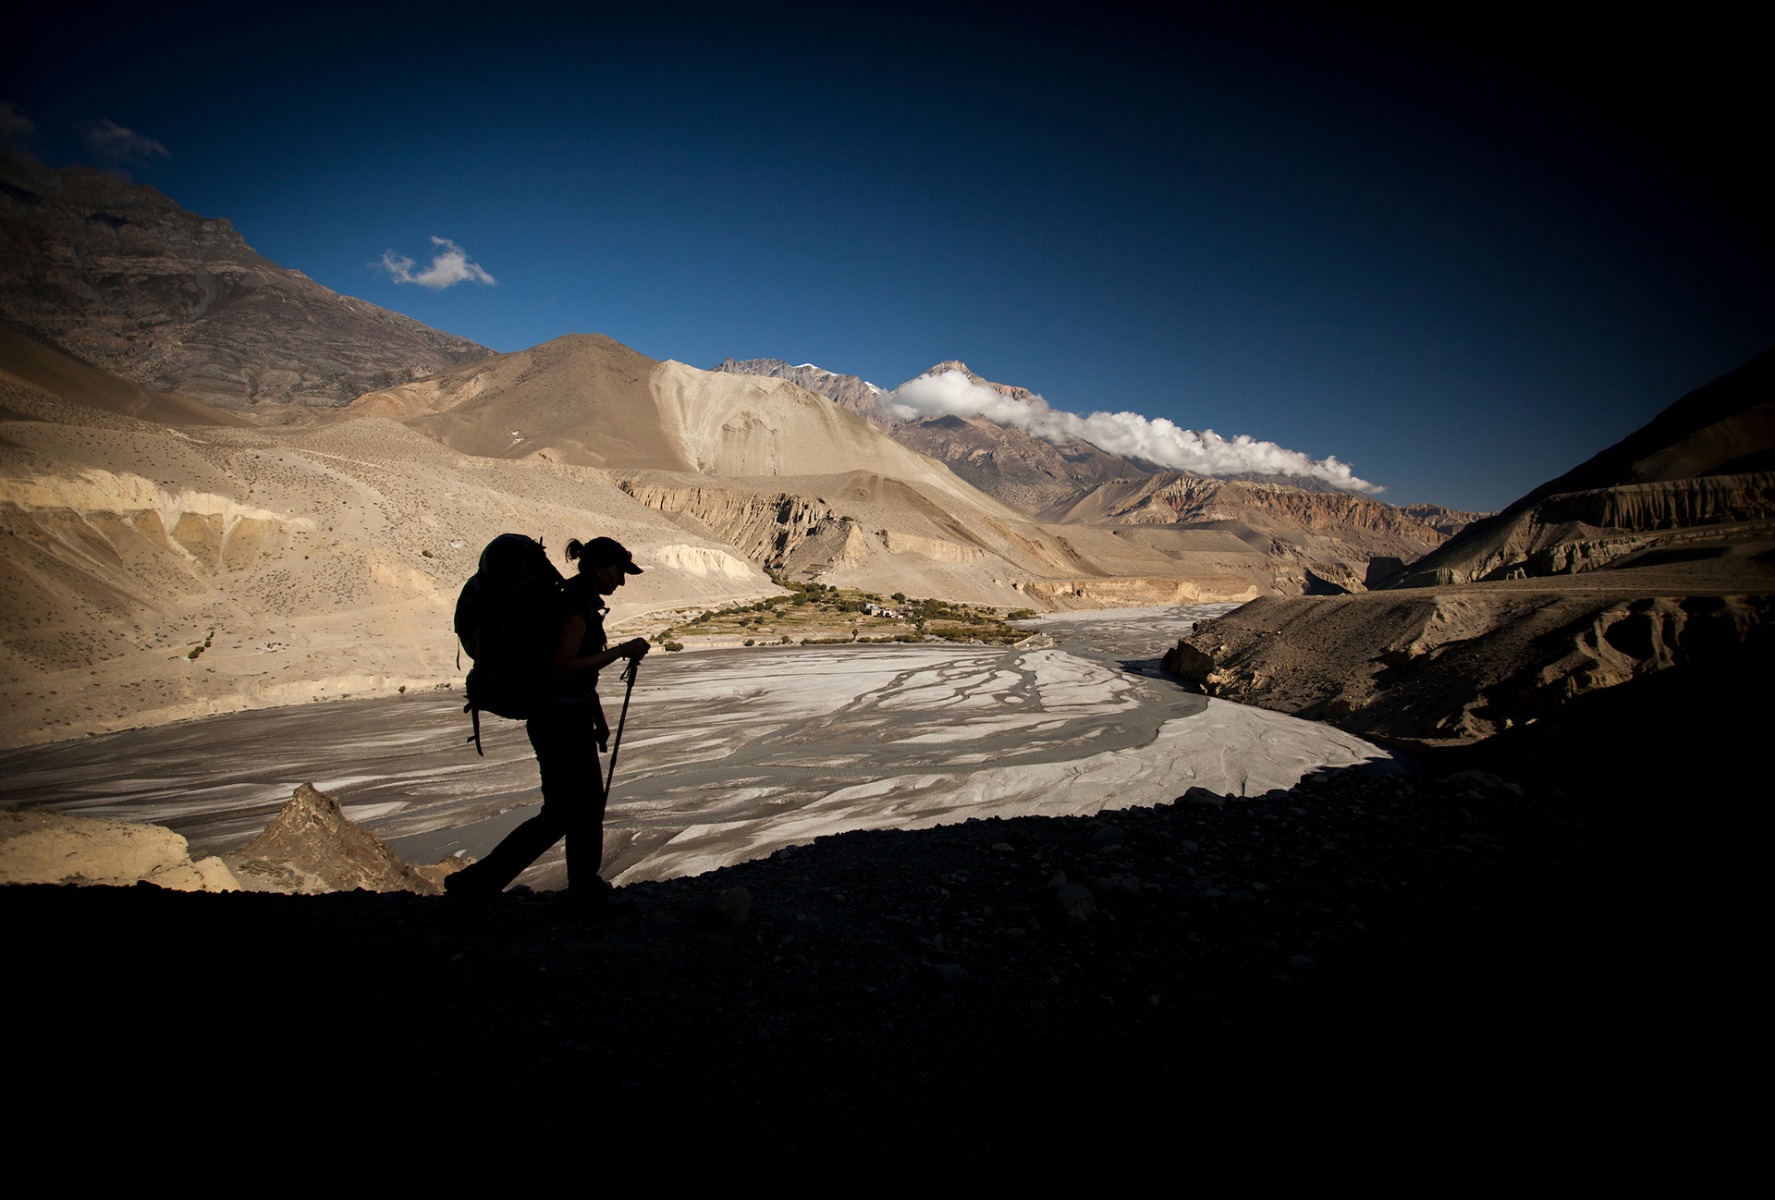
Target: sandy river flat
<point>727,755</point>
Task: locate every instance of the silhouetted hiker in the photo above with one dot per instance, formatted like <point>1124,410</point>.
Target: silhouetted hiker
<point>564,729</point>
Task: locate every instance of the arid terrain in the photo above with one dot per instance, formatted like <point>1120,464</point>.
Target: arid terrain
<point>1655,554</point>
<point>1177,931</point>
<point>223,486</point>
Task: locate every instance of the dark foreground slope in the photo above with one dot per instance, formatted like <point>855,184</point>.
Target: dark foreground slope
<point>1378,969</point>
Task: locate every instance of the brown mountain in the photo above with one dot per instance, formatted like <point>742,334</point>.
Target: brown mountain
<point>849,391</point>
<point>1030,474</point>
<point>1694,481</point>
<point>1308,536</point>
<point>121,278</point>
<point>1329,539</point>
<point>790,481</point>
<point>1446,521</point>
<point>799,485</point>
<point>164,560</point>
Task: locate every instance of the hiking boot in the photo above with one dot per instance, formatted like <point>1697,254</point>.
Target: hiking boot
<point>597,902</point>
<point>462,899</point>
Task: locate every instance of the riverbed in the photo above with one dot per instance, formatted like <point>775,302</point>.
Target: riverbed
<point>727,755</point>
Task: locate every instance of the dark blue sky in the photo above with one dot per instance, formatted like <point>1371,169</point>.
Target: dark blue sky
<point>1458,259</point>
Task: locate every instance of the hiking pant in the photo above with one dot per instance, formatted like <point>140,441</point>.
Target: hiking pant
<point>572,806</point>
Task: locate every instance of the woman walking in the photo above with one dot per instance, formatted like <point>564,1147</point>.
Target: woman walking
<point>567,730</point>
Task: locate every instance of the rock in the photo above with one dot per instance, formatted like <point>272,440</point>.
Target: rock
<point>1075,902</point>
<point>311,847</point>
<point>731,909</point>
<point>52,848</point>
<point>1187,662</point>
<point>1108,836</point>
<point>444,868</point>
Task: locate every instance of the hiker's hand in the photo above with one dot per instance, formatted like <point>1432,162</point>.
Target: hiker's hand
<point>635,650</point>
<point>600,730</point>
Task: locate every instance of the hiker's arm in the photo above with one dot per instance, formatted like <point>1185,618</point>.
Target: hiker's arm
<point>569,661</point>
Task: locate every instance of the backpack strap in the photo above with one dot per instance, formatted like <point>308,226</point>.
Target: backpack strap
<point>475,714</point>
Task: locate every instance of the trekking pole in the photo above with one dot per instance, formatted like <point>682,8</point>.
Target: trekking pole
<point>628,674</point>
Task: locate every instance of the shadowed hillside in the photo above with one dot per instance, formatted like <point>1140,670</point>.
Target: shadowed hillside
<point>1704,466</point>
<point>1656,555</point>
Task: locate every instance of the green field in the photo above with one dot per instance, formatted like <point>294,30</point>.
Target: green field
<point>815,614</point>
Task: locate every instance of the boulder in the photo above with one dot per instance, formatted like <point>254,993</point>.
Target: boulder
<point>42,847</point>
<point>311,847</point>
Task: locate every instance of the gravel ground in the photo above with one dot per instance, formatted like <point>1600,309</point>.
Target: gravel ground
<point>1380,968</point>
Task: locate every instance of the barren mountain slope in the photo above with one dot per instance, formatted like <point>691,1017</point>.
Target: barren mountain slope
<point>589,400</point>
<point>1600,580</point>
<point>580,399</point>
<point>787,479</point>
<point>1446,521</point>
<point>1025,472</point>
<point>847,391</point>
<point>122,278</point>
<point>1298,535</point>
<point>1465,662</point>
<point>1314,541</point>
<point>39,368</point>
<point>736,426</point>
<point>157,572</point>
<point>1705,463</point>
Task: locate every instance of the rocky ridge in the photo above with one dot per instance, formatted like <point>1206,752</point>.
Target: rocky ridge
<point>310,847</point>
<point>848,391</point>
<point>1446,521</point>
<point>1317,542</point>
<point>1655,557</point>
<point>1464,663</point>
<point>1706,462</point>
<point>1027,473</point>
<point>121,278</point>
<point>1313,539</point>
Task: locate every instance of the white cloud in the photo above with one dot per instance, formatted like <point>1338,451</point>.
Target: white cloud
<point>115,144</point>
<point>450,265</point>
<point>1128,434</point>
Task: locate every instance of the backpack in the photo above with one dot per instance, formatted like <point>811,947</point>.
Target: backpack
<point>508,618</point>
